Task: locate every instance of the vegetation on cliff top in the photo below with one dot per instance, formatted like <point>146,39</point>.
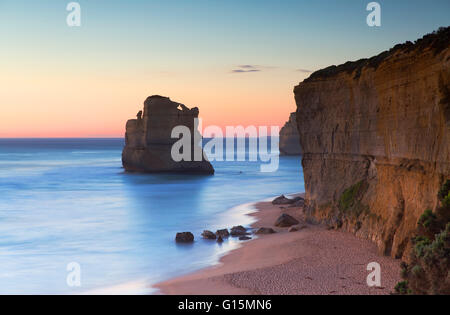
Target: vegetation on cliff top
<point>428,272</point>
<point>436,41</point>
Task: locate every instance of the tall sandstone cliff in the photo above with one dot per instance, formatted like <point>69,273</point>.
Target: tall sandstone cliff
<point>375,136</point>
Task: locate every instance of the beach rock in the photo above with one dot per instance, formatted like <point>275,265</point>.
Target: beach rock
<point>289,137</point>
<point>223,233</point>
<point>297,228</point>
<point>219,239</point>
<point>282,200</point>
<point>264,231</point>
<point>209,235</point>
<point>375,136</point>
<point>300,203</point>
<point>238,231</point>
<point>184,237</point>
<point>286,220</point>
<point>244,238</point>
<point>149,142</point>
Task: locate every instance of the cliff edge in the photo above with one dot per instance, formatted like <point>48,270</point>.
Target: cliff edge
<point>375,135</point>
<point>149,142</point>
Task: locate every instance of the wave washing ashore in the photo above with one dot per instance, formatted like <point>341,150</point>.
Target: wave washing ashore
<point>69,200</point>
<point>313,260</point>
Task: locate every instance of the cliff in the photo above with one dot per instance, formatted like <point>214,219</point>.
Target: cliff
<point>375,136</point>
<point>289,137</point>
<point>149,142</point>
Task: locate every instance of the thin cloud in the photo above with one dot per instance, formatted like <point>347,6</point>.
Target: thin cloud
<point>304,70</point>
<point>246,69</point>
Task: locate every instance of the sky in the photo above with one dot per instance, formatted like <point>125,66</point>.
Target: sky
<point>237,60</point>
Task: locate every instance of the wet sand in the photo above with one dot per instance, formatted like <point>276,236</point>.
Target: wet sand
<point>311,261</point>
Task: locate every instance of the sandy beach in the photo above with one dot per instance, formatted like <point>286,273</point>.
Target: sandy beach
<point>314,260</point>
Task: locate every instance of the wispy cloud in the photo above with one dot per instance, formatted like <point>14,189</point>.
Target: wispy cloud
<point>304,70</point>
<point>246,69</point>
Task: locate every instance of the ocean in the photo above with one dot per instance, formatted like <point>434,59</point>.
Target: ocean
<point>66,201</point>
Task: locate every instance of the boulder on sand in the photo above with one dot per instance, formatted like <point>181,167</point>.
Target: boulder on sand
<point>265,231</point>
<point>282,200</point>
<point>184,237</point>
<point>297,228</point>
<point>244,238</point>
<point>298,202</point>
<point>209,235</point>
<point>286,220</point>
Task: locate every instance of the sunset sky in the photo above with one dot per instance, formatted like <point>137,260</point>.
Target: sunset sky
<point>237,60</point>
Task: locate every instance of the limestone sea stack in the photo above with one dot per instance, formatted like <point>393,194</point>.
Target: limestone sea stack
<point>375,135</point>
<point>148,139</point>
<point>289,137</point>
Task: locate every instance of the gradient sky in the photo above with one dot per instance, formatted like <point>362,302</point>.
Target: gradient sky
<point>57,81</point>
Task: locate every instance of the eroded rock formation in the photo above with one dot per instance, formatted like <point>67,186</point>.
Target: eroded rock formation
<point>148,139</point>
<point>289,137</point>
<point>375,136</point>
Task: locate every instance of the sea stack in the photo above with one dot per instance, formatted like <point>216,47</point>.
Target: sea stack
<point>289,137</point>
<point>375,135</point>
<point>148,139</point>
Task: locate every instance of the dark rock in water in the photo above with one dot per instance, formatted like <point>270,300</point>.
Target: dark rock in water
<point>244,238</point>
<point>223,233</point>
<point>220,239</point>
<point>209,235</point>
<point>286,220</point>
<point>238,231</point>
<point>282,200</point>
<point>184,237</point>
<point>149,142</point>
<point>263,231</point>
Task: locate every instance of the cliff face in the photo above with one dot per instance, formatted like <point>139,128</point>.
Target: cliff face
<point>289,137</point>
<point>148,141</point>
<point>376,140</point>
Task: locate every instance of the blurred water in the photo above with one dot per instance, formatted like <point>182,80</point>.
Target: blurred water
<point>68,200</point>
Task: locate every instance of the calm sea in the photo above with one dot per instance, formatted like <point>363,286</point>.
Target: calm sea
<point>69,200</point>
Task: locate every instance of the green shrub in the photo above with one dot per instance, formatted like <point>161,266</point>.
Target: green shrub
<point>421,244</point>
<point>438,248</point>
<point>446,201</point>
<point>350,201</point>
<point>402,287</point>
<point>417,270</point>
<point>349,196</point>
<point>427,218</point>
<point>445,190</point>
<point>430,257</point>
